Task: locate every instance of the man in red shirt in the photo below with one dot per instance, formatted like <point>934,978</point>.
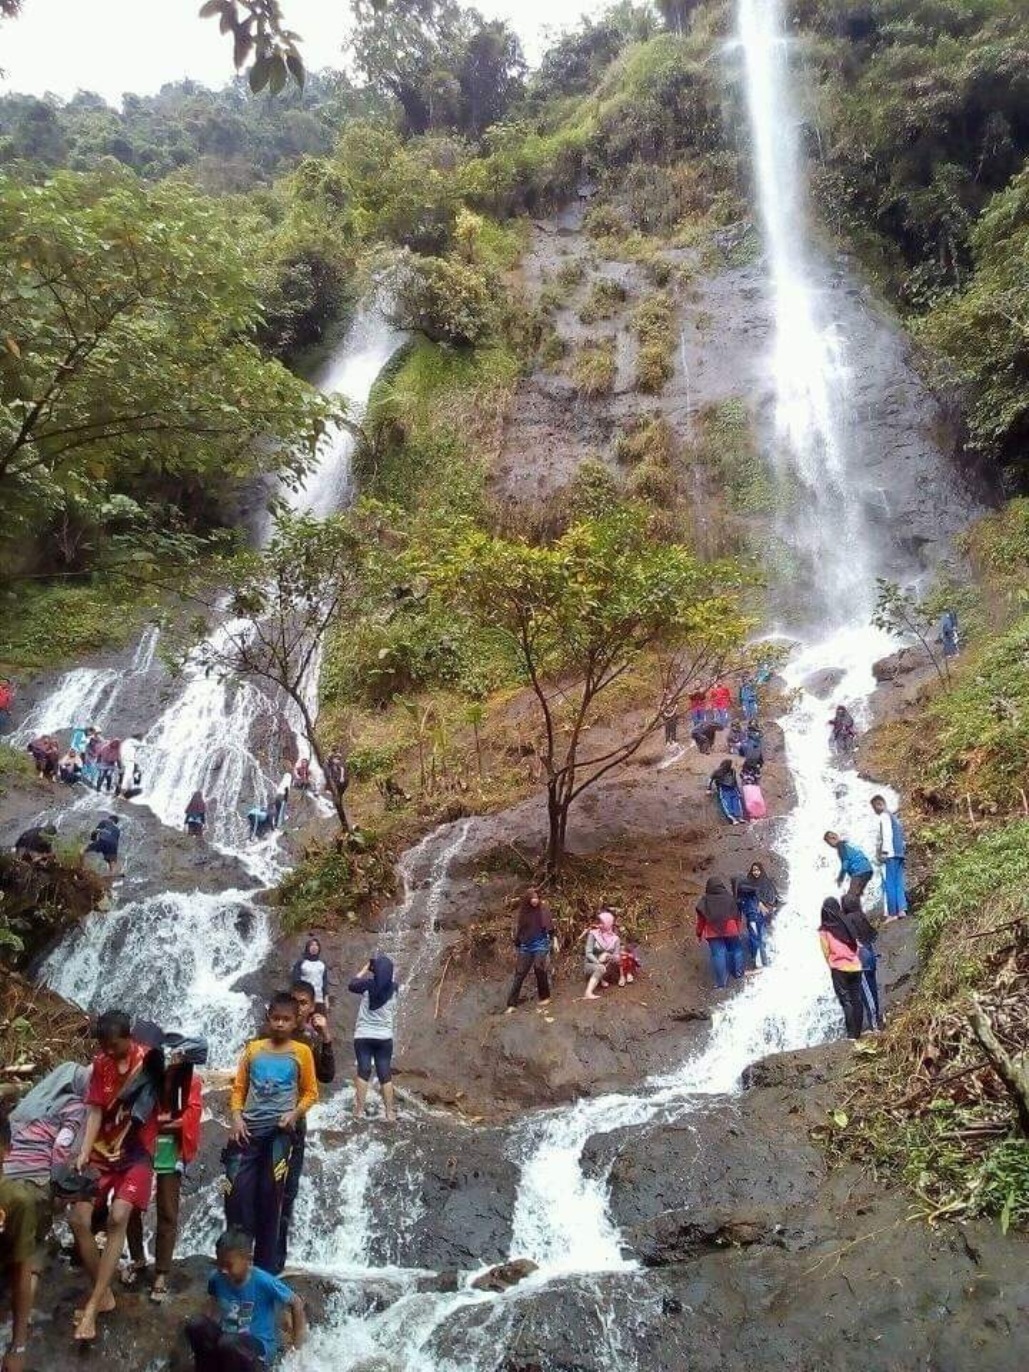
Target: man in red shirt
<point>121,1132</point>
<point>720,700</point>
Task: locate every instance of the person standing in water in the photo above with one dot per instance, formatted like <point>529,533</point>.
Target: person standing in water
<point>854,864</point>
<point>603,954</point>
<point>719,925</point>
<point>533,932</point>
<point>196,815</point>
<point>373,1032</point>
<point>840,950</point>
<point>890,849</point>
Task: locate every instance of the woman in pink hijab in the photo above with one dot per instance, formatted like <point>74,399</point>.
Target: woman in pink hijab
<point>603,953</point>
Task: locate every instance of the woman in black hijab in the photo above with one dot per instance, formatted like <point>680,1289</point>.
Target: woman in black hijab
<point>840,948</point>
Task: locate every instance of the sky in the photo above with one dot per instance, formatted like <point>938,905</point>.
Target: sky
<point>113,46</point>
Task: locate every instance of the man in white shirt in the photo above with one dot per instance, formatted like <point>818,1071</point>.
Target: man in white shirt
<point>128,777</point>
<point>890,849</point>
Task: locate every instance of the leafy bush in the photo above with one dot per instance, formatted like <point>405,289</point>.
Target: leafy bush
<point>594,490</point>
<point>655,484</point>
<point>338,885</point>
<point>593,369</point>
<point>647,440</point>
<point>442,298</point>
<point>654,325</point>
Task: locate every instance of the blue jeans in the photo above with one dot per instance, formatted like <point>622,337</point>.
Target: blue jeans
<point>726,957</point>
<point>756,939</point>
<point>893,887</point>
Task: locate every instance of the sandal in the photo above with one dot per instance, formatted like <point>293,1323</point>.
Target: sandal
<point>159,1292</point>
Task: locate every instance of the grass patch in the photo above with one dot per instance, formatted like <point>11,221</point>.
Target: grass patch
<point>43,626</point>
<point>344,883</point>
<point>647,440</point>
<point>728,450</point>
<point>605,299</point>
<point>593,369</point>
<point>654,326</point>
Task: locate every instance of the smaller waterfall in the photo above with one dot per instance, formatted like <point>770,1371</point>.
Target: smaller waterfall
<point>173,959</point>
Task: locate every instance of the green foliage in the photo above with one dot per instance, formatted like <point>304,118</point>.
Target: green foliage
<point>338,885</point>
<point>442,298</point>
<point>45,626</point>
<point>126,360</point>
<point>647,439</point>
<point>594,369</point>
<point>654,325</point>
<point>974,885</point>
<point>368,764</point>
<point>594,490</point>
<point>728,449</point>
<point>981,727</point>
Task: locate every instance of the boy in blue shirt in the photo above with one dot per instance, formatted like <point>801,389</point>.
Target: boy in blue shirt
<point>853,864</point>
<point>239,1330</point>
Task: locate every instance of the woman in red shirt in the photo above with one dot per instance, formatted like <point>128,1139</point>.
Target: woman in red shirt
<point>719,924</point>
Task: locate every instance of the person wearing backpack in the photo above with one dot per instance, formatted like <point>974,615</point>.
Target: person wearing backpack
<point>890,849</point>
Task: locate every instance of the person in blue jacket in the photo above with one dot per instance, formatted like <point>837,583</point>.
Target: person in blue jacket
<point>748,699</point>
<point>853,864</point>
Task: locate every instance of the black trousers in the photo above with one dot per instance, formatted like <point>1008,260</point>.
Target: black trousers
<point>847,986</point>
<point>214,1351</point>
<point>537,962</point>
<point>256,1173</point>
<point>858,884</point>
<point>294,1171</point>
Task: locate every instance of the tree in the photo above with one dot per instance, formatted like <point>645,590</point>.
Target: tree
<point>441,297</point>
<point>677,13</point>
<point>127,359</point>
<point>605,600</point>
<point>900,612</point>
<point>282,601</point>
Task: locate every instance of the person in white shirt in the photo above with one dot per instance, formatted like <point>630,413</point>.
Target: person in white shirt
<point>282,799</point>
<point>890,849</point>
<point>129,775</point>
<point>312,969</point>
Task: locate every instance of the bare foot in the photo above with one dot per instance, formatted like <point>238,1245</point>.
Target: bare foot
<point>591,995</point>
<point>105,1307</point>
<point>510,1009</point>
<point>85,1328</point>
<point>630,978</point>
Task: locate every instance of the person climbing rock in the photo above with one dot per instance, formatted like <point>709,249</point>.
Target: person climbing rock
<point>890,849</point>
<point>312,1029</point>
<point>842,732</point>
<point>374,1031</point>
<point>302,776</point>
<point>196,815</point>
<point>69,769</point>
<point>725,788</point>
<point>533,933</point>
<point>130,775</point>
<point>259,821</point>
<point>19,1230</point>
<point>865,933</point>
<point>45,753</point>
<point>603,956</point>
<point>36,843</point>
<point>275,1085</point>
<point>180,1108</point>
<point>278,806</point>
<point>749,699</point>
<point>854,864</point>
<point>337,777</point>
<point>840,950</point>
<point>311,968</point>
<point>752,913</point>
<point>719,925</point>
<point>105,840</point>
<point>239,1330</point>
<point>120,1136</point>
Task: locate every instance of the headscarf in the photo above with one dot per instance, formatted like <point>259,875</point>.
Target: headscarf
<point>717,904</point>
<point>314,943</point>
<point>604,931</point>
<point>197,804</point>
<point>384,987</point>
<point>724,774</point>
<point>857,921</point>
<point>834,923</point>
<point>765,887</point>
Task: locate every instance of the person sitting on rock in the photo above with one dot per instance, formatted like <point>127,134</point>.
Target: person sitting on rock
<point>533,934</point>
<point>238,1332</point>
<point>602,958</point>
<point>69,769</point>
<point>302,776</point>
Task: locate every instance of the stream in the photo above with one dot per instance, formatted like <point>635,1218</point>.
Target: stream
<point>177,957</point>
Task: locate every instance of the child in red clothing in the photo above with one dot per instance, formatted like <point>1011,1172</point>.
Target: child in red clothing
<point>628,965</point>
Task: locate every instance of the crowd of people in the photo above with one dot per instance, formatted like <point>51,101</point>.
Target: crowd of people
<point>99,1143</point>
<point>738,795</point>
<point>103,764</point>
<point>36,844</point>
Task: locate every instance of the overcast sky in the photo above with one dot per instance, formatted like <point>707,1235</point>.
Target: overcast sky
<point>112,46</point>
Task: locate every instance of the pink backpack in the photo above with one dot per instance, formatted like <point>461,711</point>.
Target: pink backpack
<point>754,801</point>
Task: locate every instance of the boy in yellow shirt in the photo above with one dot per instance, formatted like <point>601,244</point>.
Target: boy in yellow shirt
<point>275,1087</point>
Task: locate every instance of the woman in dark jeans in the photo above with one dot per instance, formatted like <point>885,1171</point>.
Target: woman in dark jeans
<point>374,1031</point>
<point>533,932</point>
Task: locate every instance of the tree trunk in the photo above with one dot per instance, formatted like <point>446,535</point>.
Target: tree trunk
<point>555,832</point>
<point>1014,1073</point>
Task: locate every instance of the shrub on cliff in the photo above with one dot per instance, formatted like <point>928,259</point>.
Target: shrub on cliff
<point>440,297</point>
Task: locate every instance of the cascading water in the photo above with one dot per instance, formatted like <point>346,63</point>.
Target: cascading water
<point>560,1217</point>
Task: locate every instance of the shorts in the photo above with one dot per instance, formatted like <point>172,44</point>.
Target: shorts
<point>106,850</point>
<point>377,1051</point>
<point>133,1184</point>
